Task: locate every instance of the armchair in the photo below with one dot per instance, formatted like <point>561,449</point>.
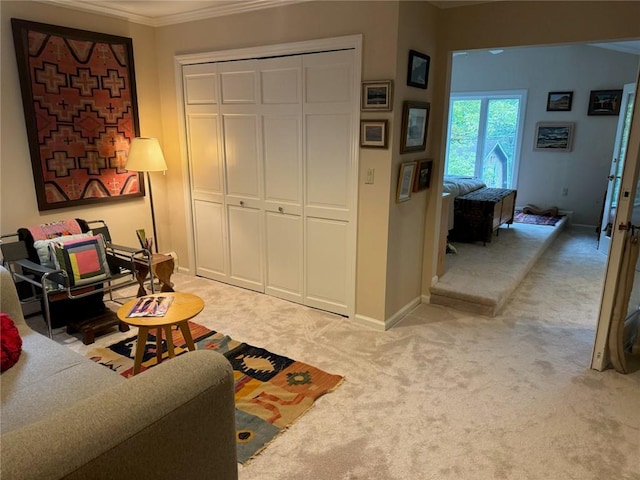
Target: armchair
<point>69,266</point>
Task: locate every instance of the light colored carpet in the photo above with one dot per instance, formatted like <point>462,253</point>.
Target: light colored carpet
<point>481,278</point>
<point>446,394</point>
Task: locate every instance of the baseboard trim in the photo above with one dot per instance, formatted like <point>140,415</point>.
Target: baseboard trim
<point>369,322</point>
<point>391,321</point>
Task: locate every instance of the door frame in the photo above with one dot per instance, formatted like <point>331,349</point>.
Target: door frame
<point>604,242</point>
<point>351,42</point>
<point>600,356</point>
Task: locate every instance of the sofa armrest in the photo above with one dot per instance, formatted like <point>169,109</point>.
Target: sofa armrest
<point>176,420</point>
<point>9,301</point>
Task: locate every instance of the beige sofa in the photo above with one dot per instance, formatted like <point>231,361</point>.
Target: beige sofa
<point>64,416</point>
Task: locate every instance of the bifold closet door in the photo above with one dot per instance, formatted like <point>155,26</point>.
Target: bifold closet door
<point>239,108</point>
<point>206,169</point>
<point>329,170</point>
<point>272,159</point>
<point>281,120</point>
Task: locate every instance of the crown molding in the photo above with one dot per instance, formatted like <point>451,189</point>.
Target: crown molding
<point>215,10</point>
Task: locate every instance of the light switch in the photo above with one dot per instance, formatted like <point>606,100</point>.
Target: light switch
<point>370,175</point>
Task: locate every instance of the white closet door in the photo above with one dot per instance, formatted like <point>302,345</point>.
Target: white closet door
<point>203,144</point>
<point>329,169</point>
<point>281,113</point>
<point>239,108</point>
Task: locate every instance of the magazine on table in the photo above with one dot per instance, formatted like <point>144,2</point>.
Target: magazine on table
<point>151,306</point>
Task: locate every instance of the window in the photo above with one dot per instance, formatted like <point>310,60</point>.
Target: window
<point>484,137</point>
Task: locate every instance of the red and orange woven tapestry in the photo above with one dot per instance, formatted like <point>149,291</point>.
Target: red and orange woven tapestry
<point>79,98</point>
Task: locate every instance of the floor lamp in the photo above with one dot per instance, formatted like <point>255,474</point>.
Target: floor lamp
<point>145,155</point>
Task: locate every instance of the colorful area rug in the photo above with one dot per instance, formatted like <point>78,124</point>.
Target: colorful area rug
<point>530,218</point>
<point>271,391</point>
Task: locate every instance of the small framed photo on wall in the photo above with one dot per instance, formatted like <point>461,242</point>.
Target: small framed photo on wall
<point>405,181</point>
<point>373,133</point>
<point>418,69</point>
<point>377,96</point>
<point>423,175</point>
<point>604,102</point>
<point>415,122</point>
<point>553,137</point>
<point>559,101</point>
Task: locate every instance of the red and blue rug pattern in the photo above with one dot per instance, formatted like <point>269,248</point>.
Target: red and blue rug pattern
<point>271,390</point>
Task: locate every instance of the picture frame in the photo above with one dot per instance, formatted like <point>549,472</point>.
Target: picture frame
<point>415,122</point>
<point>377,96</point>
<point>553,137</point>
<point>559,101</point>
<point>418,69</point>
<point>604,102</point>
<point>81,113</point>
<point>373,133</point>
<point>423,175</point>
<point>405,181</point>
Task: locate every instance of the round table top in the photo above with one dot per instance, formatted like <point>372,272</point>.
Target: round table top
<point>183,307</point>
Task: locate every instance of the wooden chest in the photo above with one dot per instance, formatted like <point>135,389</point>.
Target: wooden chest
<point>481,212</point>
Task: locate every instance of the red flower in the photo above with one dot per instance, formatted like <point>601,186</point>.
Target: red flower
<point>10,342</point>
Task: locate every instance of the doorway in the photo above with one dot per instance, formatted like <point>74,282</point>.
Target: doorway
<point>562,182</point>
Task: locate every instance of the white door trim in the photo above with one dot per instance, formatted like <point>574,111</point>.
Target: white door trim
<point>295,48</point>
<point>600,356</point>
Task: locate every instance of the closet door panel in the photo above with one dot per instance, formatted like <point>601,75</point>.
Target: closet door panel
<point>326,264</point>
<point>206,167</point>
<point>284,256</point>
<point>239,87</point>
<point>280,81</point>
<point>210,239</point>
<point>200,84</point>
<point>328,160</point>
<point>282,171</point>
<point>245,247</point>
<point>241,155</point>
<point>328,111</point>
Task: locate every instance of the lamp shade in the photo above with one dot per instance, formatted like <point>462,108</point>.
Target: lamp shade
<point>145,155</point>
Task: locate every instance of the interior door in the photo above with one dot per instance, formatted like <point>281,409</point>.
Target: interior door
<point>281,115</point>
<point>329,170</point>
<point>625,211</point>
<point>617,167</point>
<point>243,171</point>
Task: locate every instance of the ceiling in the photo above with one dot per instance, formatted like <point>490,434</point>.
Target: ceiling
<point>167,12</point>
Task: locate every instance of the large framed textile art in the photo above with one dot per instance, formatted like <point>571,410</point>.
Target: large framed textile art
<point>81,112</point>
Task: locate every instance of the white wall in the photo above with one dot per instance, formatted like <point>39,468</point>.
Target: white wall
<point>539,70</point>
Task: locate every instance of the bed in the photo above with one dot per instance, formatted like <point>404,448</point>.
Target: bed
<point>477,210</point>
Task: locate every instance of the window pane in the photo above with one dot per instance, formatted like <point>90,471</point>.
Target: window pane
<point>500,141</point>
<point>463,137</point>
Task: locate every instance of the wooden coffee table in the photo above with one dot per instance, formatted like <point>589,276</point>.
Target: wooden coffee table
<point>184,307</point>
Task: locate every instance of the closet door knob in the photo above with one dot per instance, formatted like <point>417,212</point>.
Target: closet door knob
<point>242,203</point>
<point>281,210</point>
